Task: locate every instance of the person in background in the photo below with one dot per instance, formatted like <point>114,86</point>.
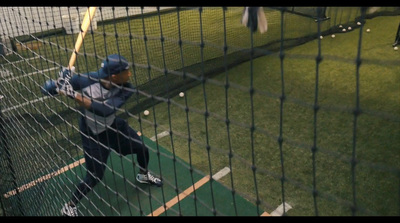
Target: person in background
<point>397,39</point>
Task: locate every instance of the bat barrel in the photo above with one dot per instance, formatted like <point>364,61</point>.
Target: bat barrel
<point>84,28</point>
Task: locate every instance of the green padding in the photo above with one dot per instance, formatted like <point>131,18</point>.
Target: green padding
<point>120,194</point>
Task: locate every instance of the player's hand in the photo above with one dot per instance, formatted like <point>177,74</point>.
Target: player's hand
<point>66,73</point>
<point>49,87</point>
<point>65,88</point>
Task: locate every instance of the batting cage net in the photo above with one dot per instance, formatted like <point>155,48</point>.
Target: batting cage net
<point>245,111</point>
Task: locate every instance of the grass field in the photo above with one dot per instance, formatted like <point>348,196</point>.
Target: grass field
<point>372,186</point>
<point>377,139</point>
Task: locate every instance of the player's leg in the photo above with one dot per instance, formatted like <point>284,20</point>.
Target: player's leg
<point>95,161</point>
<point>133,145</point>
<point>397,39</point>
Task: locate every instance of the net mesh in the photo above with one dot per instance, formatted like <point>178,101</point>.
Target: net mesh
<point>171,50</point>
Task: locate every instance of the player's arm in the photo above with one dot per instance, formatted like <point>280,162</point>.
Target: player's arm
<point>109,106</point>
<point>75,83</point>
<point>79,82</point>
<point>83,100</point>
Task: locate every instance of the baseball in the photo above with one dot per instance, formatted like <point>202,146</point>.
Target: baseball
<point>349,28</point>
<point>146,112</point>
<point>321,37</point>
<point>181,94</point>
<point>395,48</point>
<point>333,35</point>
<point>359,23</point>
<point>368,30</point>
<point>344,30</point>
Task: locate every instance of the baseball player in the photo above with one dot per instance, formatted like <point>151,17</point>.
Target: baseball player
<point>101,130</point>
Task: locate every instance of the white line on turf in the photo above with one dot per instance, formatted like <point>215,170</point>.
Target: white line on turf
<point>24,60</point>
<point>25,103</point>
<point>159,135</point>
<point>27,75</point>
<point>188,191</point>
<point>221,173</point>
<point>279,210</point>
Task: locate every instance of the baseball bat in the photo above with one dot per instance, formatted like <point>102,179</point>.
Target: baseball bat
<point>84,28</point>
<point>50,87</point>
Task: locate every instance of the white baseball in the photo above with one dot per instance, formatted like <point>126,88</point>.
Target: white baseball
<point>333,35</point>
<point>146,112</point>
<point>368,30</point>
<point>181,94</point>
<point>395,48</point>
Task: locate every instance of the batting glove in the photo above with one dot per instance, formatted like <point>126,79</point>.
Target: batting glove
<point>65,88</point>
<point>66,73</point>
